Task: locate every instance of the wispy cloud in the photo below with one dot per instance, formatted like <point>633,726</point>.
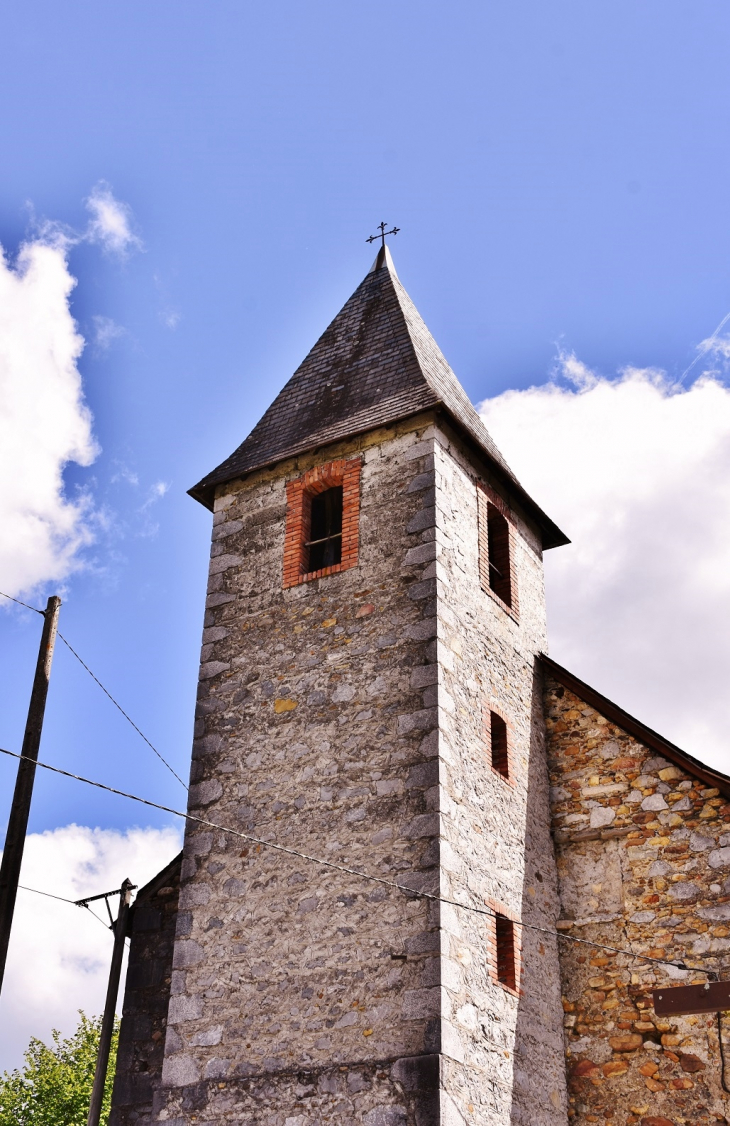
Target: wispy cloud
<point>106,331</point>
<point>156,492</point>
<point>712,345</point>
<point>140,521</point>
<point>125,474</point>
<point>717,346</point>
<point>149,526</point>
<point>636,469</point>
<point>111,222</point>
<point>569,368</point>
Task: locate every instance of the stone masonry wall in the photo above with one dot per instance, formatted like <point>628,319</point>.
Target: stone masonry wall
<point>146,997</point>
<point>302,994</point>
<point>644,864</point>
<point>503,1054</point>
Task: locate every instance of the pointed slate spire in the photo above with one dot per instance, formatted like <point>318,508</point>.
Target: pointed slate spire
<point>375,364</point>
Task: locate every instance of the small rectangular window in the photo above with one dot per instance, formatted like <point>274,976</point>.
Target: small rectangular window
<point>506,954</point>
<point>498,744</point>
<point>497,572</point>
<point>325,542</point>
<point>500,578</point>
<point>321,536</point>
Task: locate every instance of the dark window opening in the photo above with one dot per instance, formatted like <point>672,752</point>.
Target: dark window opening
<point>498,740</point>
<point>506,960</point>
<point>500,579</point>
<point>325,535</point>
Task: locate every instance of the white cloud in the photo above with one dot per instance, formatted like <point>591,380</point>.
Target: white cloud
<point>637,472</point>
<point>44,422</point>
<point>111,221</point>
<point>58,961</point>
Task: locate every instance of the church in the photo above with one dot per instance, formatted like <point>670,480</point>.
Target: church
<point>429,877</point>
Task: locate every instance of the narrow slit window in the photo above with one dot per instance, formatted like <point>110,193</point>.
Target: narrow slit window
<point>498,744</point>
<point>325,542</point>
<point>506,955</point>
<point>500,578</point>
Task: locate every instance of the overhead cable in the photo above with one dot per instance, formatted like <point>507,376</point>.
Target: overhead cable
<point>676,963</point>
<point>62,899</point>
<point>103,688</point>
<point>19,603</point>
<point>121,709</point>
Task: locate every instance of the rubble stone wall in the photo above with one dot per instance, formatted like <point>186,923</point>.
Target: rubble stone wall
<point>146,996</point>
<point>505,1062</point>
<point>644,864</point>
<point>300,993</point>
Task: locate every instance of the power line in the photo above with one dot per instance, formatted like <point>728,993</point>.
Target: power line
<point>19,603</point>
<point>61,899</point>
<point>121,709</point>
<point>48,894</point>
<point>676,964</point>
<point>74,903</point>
<point>104,690</point>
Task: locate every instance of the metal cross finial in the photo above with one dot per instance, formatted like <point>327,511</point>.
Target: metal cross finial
<point>383,234</point>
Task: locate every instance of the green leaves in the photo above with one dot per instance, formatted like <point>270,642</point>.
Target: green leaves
<point>54,1086</point>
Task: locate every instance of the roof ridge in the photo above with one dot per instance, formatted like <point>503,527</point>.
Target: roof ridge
<point>635,727</point>
<point>375,364</point>
<point>446,381</point>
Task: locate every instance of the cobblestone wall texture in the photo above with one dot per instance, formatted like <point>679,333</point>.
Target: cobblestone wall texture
<point>146,997</point>
<point>343,717</point>
<point>644,862</point>
<point>298,989</point>
<point>507,1062</point>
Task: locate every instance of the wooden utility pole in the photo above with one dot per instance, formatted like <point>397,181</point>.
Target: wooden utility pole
<point>20,809</point>
<point>110,1005</point>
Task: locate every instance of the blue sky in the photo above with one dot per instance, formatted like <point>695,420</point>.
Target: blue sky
<point>560,177</point>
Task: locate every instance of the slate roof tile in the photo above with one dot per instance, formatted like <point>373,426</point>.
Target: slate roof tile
<point>376,363</point>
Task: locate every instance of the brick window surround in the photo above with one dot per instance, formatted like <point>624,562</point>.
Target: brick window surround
<point>498,576</point>
<point>299,493</point>
<point>504,948</point>
<point>498,743</point>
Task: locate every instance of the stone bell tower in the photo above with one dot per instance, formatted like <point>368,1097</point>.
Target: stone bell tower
<point>369,696</point>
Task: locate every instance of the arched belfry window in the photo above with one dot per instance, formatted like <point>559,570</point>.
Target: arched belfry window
<point>322,518</point>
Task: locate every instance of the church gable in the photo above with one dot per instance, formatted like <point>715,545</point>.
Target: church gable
<point>643,853</point>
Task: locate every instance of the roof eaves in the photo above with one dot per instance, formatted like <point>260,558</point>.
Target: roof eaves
<point>158,881</point>
<point>553,536</point>
<point>635,727</point>
<point>204,491</point>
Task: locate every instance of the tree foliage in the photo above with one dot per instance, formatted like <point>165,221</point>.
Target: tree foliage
<point>54,1086</point>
